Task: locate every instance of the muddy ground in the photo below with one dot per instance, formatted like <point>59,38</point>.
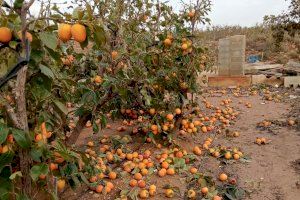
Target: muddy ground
<point>269,172</point>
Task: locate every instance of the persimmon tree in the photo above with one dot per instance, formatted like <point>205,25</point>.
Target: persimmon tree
<point>135,55</point>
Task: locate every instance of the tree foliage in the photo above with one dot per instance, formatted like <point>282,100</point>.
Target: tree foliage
<point>137,54</point>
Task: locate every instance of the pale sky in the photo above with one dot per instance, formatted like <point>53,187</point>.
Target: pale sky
<point>241,12</point>
<point>244,12</point>
<point>232,12</point>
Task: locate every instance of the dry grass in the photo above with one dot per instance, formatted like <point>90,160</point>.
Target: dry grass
<point>259,42</point>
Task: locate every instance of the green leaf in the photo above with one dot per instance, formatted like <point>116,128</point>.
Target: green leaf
<point>61,107</point>
<point>4,194</point>
<point>3,133</point>
<point>36,154</point>
<point>78,13</point>
<point>151,170</point>
<point>37,170</point>
<point>89,11</point>
<point>179,163</point>
<point>5,173</point>
<point>54,196</point>
<point>99,36</point>
<point>80,112</point>
<point>76,180</point>
<point>103,121</point>
<point>3,69</point>
<point>134,193</point>
<point>47,71</point>
<point>83,178</point>
<point>40,86</point>
<point>21,138</point>
<point>202,181</point>
<point>18,4</point>
<point>147,98</point>
<point>14,175</point>
<point>5,159</point>
<point>13,44</point>
<point>54,54</point>
<point>56,16</point>
<point>71,169</point>
<point>11,59</point>
<point>36,55</point>
<point>22,197</point>
<point>5,188</point>
<point>95,127</point>
<point>124,192</point>
<point>233,192</point>
<point>49,40</point>
<point>89,97</point>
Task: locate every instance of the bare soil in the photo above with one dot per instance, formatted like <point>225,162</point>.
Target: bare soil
<point>270,174</point>
<point>272,171</point>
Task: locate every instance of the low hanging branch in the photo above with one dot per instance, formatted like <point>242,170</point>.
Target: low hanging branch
<point>88,116</point>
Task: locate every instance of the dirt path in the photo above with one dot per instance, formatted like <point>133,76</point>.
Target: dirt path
<point>271,173</point>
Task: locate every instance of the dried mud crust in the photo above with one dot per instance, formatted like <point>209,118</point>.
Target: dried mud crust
<point>272,171</point>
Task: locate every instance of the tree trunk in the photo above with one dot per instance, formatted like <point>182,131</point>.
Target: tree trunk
<point>25,159</point>
<point>79,126</point>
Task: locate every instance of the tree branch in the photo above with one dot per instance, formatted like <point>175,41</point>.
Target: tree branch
<point>20,98</point>
<point>86,117</point>
<point>11,113</point>
<point>28,5</point>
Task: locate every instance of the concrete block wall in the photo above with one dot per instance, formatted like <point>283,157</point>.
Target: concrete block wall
<point>224,57</point>
<point>231,57</point>
<point>292,81</point>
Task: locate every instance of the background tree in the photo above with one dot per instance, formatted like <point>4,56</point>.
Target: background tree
<point>287,22</point>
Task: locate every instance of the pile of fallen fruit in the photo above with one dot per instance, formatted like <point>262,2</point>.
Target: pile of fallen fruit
<point>152,158</point>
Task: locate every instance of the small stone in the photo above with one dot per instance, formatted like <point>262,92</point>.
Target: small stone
<point>293,97</point>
